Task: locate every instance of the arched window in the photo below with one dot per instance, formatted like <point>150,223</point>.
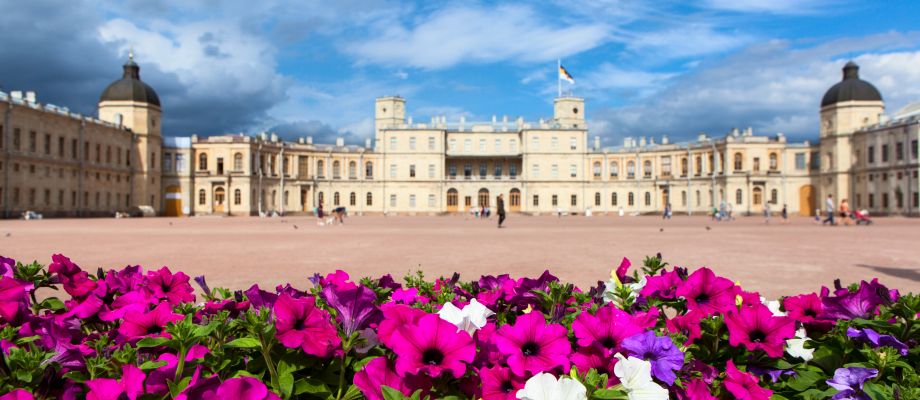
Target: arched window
<point>320,169</point>
<point>597,169</point>
<point>738,196</point>
<point>452,198</point>
<point>319,198</point>
<point>335,199</point>
<point>274,197</point>
<point>774,195</point>
<point>352,199</point>
<point>614,169</point>
<point>698,199</point>
<point>613,199</point>
<point>369,170</point>
<point>352,170</point>
<point>739,162</point>
<point>773,161</point>
<point>683,166</point>
<point>597,199</point>
<point>631,169</point>
<point>285,200</point>
<point>370,199</point>
<point>336,169</point>
<point>648,198</point>
<point>238,162</point>
<point>647,168</point>
<point>699,165</point>
<point>202,197</point>
<point>237,197</point>
<point>683,198</point>
<point>630,199</point>
<point>203,162</point>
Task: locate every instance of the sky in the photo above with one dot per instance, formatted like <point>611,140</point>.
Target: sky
<point>299,68</point>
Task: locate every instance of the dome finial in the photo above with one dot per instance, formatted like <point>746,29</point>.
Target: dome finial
<point>851,70</point>
<point>131,54</point>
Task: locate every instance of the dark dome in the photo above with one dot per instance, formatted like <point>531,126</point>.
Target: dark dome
<point>130,87</point>
<point>851,88</point>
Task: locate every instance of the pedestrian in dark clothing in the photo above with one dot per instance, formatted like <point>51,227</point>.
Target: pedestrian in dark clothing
<point>501,210</point>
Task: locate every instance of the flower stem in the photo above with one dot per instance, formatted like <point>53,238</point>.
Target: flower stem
<point>345,348</point>
<point>181,362</point>
<point>266,354</point>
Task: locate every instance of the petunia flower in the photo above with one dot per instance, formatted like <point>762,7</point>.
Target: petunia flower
<point>471,318</point>
<point>532,346</point>
<point>394,316</point>
<point>757,328</point>
<point>636,377</point>
<point>164,285</point>
<point>245,388</point>
<point>7,267</point>
<point>805,308</point>
<point>687,325</point>
<point>259,298</point>
<point>590,357</point>
<point>14,298</point>
<point>663,286</point>
<point>354,306</point>
<point>659,351</point>
<point>696,390</point>
<point>499,383</point>
<point>849,382</point>
<point>139,324</point>
<point>743,385</point>
<point>863,303</point>
<point>610,326</point>
<point>544,386</point>
<point>707,293</point>
<point>432,346</point>
<point>157,379</point>
<point>380,372</point>
<point>877,340</point>
<point>130,386</point>
<point>17,394</point>
<point>796,346</point>
<point>76,281</point>
<point>300,324</point>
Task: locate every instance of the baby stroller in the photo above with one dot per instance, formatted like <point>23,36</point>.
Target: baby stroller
<point>862,217</point>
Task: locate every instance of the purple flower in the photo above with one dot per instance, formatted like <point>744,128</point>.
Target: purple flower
<point>849,382</point>
<point>863,303</point>
<point>7,266</point>
<point>130,386</point>
<point>354,306</point>
<point>878,340</point>
<point>203,285</point>
<point>660,351</point>
<point>259,298</point>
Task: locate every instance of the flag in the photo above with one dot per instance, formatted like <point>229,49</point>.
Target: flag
<point>564,75</point>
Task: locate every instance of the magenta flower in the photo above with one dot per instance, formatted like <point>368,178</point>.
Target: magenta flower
<point>592,357</point>
<point>174,288</point>
<point>17,394</point>
<point>354,306</point>
<point>379,372</point>
<point>432,346</point>
<point>130,386</point>
<point>687,325</point>
<point>696,390</point>
<point>742,385</point>
<point>300,324</point>
<point>245,388</point>
<point>532,346</point>
<point>394,316</point>
<point>7,267</point>
<point>757,328</point>
<point>659,351</point>
<point>259,298</point>
<point>126,280</point>
<point>157,380</point>
<point>663,286</point>
<point>14,298</point>
<point>76,281</point>
<point>136,301</point>
<point>707,293</point>
<point>201,388</point>
<point>139,324</point>
<point>499,383</point>
<point>863,303</point>
<point>805,308</point>
<point>610,326</point>
<point>408,296</point>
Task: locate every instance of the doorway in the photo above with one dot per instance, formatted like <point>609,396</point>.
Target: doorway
<point>452,200</point>
<point>807,200</point>
<point>220,197</point>
<point>514,201</point>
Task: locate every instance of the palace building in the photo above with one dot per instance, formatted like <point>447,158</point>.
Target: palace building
<point>63,164</point>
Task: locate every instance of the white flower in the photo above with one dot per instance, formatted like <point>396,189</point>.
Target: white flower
<point>545,386</point>
<point>773,306</point>
<point>636,377</point>
<point>471,318</point>
<point>611,289</point>
<point>796,346</point>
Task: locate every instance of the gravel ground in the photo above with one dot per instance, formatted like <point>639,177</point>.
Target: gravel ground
<point>236,252</point>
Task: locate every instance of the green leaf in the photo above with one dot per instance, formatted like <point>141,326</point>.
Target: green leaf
<point>877,392</point>
<point>152,365</point>
<point>244,343</point>
<point>286,380</point>
<point>353,393</point>
<point>152,342</point>
<point>392,394</point>
<point>203,331</point>
<point>607,394</point>
<point>315,387</point>
<point>805,380</point>
<point>52,303</point>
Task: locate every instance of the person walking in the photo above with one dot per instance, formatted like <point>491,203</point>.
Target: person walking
<point>667,211</point>
<point>501,210</point>
<point>829,210</point>
<point>844,212</point>
<point>319,213</point>
<point>785,215</point>
<point>766,213</point>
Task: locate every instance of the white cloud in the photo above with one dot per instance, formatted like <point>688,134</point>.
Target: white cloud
<point>474,34</point>
<point>771,6</point>
<point>685,39</point>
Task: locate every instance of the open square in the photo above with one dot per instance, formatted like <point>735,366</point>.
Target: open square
<point>235,252</point>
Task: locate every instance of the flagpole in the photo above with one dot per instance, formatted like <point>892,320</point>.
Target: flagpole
<point>559,77</point>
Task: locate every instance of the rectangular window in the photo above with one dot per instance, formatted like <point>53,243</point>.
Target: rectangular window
<point>574,200</point>
<point>573,144</point>
<point>412,143</point>
<point>870,154</point>
<point>884,153</point>
<point>498,145</point>
<point>899,151</point>
<point>554,171</point>
<point>452,171</point>
<point>555,200</point>
<point>513,145</point>
<point>393,171</point>
<point>431,143</point>
<point>536,200</point>
<point>180,162</point>
<point>573,170</point>
<point>535,170</point>
<point>431,171</point>
<point>554,143</point>
<point>392,200</point>
<point>666,166</point>
<point>871,200</point>
<point>411,201</point>
<point>535,141</point>
<point>512,171</point>
<point>482,145</point>
<point>74,149</point>
<point>756,164</point>
<point>33,141</point>
<point>914,149</point>
<point>412,171</point>
<point>167,162</point>
<point>431,201</point>
<point>453,144</point>
<point>16,140</point>
<point>467,171</point>
<point>498,170</point>
<point>47,144</point>
<point>467,145</point>
<point>483,170</point>
<point>800,161</point>
<point>61,147</point>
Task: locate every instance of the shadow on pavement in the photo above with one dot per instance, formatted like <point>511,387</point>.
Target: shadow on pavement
<point>903,273</point>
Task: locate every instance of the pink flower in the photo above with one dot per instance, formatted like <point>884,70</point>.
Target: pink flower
<point>742,385</point>
<point>245,388</point>
<point>610,326</point>
<point>696,390</point>
<point>805,308</point>
<point>300,324</point>
<point>408,296</point>
<point>379,372</point>
<point>156,381</point>
<point>7,267</point>
<point>757,328</point>
<point>586,358</point>
<point>707,293</point>
<point>532,346</point>
<point>687,325</point>
<point>663,286</point>
<point>14,298</point>
<point>394,316</point>
<point>17,394</point>
<point>499,383</point>
<point>130,386</point>
<point>76,281</point>
<point>432,346</point>
<point>174,288</point>
<point>138,324</point>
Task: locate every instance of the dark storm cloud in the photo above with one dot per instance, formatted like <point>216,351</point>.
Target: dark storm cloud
<point>54,48</point>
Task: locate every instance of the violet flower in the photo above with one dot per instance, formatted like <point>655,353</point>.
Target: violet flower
<point>877,340</point>
<point>863,303</point>
<point>849,382</point>
<point>660,351</point>
<point>259,298</point>
<point>7,267</point>
<point>354,306</point>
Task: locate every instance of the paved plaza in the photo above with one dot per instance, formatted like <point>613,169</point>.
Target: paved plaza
<point>235,252</point>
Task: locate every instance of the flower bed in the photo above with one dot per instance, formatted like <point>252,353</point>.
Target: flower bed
<point>654,333</point>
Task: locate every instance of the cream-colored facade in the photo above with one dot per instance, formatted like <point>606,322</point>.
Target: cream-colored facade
<point>99,166</point>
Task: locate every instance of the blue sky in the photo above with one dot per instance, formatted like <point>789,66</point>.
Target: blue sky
<point>314,67</point>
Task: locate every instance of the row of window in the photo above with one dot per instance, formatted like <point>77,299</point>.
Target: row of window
<point>412,143</point>
<point>31,198</point>
<point>32,168</point>
<point>337,169</point>
<point>898,152</point>
<point>112,155</point>
<point>483,145</point>
<point>898,200</point>
<point>553,143</point>
<point>497,171</point>
<point>268,164</point>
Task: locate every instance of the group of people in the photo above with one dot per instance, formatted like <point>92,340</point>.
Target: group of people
<point>486,212</point>
<point>723,212</point>
<point>846,215</point>
<point>336,217</point>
